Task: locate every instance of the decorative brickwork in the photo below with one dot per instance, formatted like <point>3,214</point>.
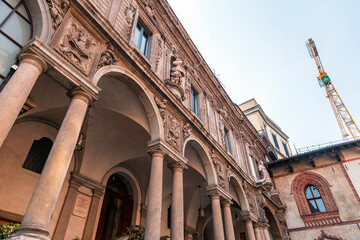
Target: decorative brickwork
<point>331,215</point>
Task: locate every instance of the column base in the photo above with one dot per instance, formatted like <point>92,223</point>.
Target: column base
<point>32,236</point>
<point>29,232</point>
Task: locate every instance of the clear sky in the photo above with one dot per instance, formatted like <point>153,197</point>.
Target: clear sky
<point>258,49</point>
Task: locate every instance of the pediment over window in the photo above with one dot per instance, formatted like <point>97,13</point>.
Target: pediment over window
<point>325,236</point>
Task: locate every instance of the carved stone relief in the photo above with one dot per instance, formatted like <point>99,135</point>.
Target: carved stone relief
<point>129,17</point>
<point>58,9</point>
<point>172,129</point>
<point>77,45</point>
<point>325,236</point>
<point>175,83</point>
<point>261,202</point>
<point>162,106</point>
<point>221,170</point>
<point>212,121</point>
<point>249,196</point>
<point>186,131</point>
<point>283,227</point>
<point>107,57</point>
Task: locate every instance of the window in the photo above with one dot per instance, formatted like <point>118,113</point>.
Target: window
<point>195,101</point>
<point>286,150</point>
<point>142,39</point>
<point>275,141</point>
<point>227,142</point>
<point>36,158</point>
<point>314,199</point>
<point>15,31</point>
<point>316,205</point>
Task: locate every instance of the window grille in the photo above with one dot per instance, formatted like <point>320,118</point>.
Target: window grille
<point>37,155</point>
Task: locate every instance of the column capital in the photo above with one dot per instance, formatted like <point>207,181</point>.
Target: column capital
<point>79,93</point>
<point>248,216</point>
<point>226,202</point>
<point>97,193</point>
<point>177,166</point>
<point>34,60</point>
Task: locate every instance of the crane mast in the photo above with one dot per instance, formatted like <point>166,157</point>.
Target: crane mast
<point>341,113</point>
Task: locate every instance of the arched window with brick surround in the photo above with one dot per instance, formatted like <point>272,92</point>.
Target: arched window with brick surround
<point>314,199</point>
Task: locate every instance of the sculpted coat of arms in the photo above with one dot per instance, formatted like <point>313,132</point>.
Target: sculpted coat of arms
<point>77,46</point>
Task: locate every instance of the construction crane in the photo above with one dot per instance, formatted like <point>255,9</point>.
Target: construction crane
<point>341,113</point>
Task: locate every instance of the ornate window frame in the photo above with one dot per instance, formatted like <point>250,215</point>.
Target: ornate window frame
<point>329,217</point>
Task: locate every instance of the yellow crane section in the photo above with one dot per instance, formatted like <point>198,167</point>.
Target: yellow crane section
<point>341,113</point>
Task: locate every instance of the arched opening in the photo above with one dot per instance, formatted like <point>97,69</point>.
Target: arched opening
<point>197,177</point>
<point>274,231</point>
<point>116,211</point>
<point>15,32</point>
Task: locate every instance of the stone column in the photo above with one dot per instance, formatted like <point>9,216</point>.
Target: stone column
<point>217,218</point>
<point>258,232</point>
<point>250,230</point>
<point>66,210</point>
<point>40,209</point>
<point>266,232</point>
<point>177,202</point>
<point>16,91</point>
<point>229,227</point>
<point>153,214</point>
<point>91,219</point>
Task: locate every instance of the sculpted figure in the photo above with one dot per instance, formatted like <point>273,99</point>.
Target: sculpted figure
<point>186,130</point>
<point>176,72</point>
<point>58,9</point>
<point>107,57</point>
<point>262,170</point>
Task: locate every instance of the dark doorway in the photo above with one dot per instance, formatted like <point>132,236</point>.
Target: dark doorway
<point>116,211</point>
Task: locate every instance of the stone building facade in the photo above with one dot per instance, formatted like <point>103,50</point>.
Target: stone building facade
<point>321,190</point>
<point>112,118</point>
<point>278,140</point>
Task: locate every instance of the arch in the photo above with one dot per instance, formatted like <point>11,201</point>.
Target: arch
<point>41,19</point>
<point>274,229</point>
<point>298,190</point>
<point>139,88</point>
<point>211,176</point>
<point>135,185</point>
<point>244,204</point>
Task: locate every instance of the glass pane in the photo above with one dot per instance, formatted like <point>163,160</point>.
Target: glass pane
<point>321,205</point>
<point>18,29</point>
<point>22,11</point>
<point>137,36</point>
<point>13,3</point>
<point>192,100</point>
<point>313,206</point>
<point>4,11</point>
<point>308,193</point>
<point>8,51</point>
<point>143,43</point>
<point>315,191</point>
